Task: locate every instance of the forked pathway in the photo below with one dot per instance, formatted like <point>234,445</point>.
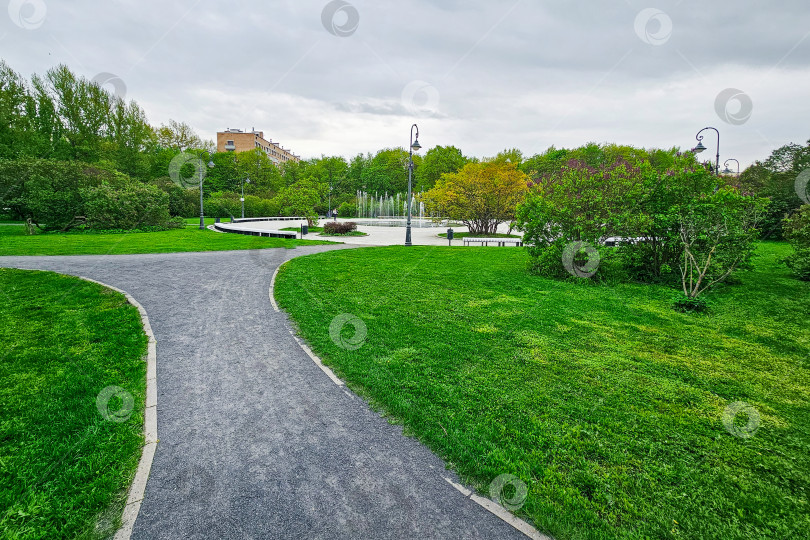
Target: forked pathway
<point>255,440</point>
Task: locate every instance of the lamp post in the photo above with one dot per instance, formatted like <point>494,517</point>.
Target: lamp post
<point>413,146</point>
<point>202,213</point>
<point>243,195</point>
<point>727,170</point>
<point>700,147</point>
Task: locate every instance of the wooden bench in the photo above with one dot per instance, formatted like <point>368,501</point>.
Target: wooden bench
<point>499,241</point>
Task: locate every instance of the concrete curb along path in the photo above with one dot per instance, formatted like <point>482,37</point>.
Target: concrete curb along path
<point>254,441</point>
<point>138,487</point>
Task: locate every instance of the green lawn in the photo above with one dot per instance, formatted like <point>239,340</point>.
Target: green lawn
<point>606,402</point>
<point>195,221</point>
<point>321,233</point>
<point>14,241</point>
<point>298,229</point>
<point>64,468</point>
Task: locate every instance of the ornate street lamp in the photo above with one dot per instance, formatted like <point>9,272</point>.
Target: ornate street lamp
<point>202,213</point>
<point>700,147</point>
<point>243,195</point>
<point>413,146</point>
<point>729,171</point>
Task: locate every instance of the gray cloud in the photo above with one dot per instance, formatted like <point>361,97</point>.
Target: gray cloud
<point>527,74</point>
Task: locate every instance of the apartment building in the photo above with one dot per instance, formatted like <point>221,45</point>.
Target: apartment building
<point>236,140</point>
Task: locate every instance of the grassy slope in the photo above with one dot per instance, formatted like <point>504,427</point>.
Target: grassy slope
<point>605,401</point>
<point>14,241</point>
<point>63,467</point>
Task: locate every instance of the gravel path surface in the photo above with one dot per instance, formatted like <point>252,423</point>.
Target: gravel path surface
<point>255,440</point>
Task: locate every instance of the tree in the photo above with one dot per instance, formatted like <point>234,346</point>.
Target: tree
<point>179,136</point>
<point>354,175</point>
<point>301,198</point>
<point>717,233</point>
<point>775,179</point>
<point>16,126</point>
<point>797,232</point>
<point>509,155</point>
<point>578,204</point>
<point>387,171</point>
<point>331,170</point>
<point>438,160</point>
<point>651,250</point>
<point>481,195</point>
<point>131,136</point>
<point>265,178</point>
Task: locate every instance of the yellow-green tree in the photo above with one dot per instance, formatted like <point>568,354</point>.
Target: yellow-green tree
<point>480,195</point>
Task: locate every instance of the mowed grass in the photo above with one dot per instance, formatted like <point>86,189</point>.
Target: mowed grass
<point>64,468</point>
<point>608,404</point>
<point>322,233</point>
<point>14,241</point>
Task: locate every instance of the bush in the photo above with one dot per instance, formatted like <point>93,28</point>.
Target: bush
<point>347,210</point>
<point>689,305</point>
<point>49,192</point>
<point>183,202</point>
<point>223,204</point>
<point>337,227</point>
<point>718,234</point>
<point>796,230</point>
<point>129,206</point>
<point>578,203</point>
<point>258,207</point>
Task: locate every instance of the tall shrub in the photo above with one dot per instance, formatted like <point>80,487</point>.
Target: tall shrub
<point>131,205</point>
<point>717,233</point>
<point>578,204</point>
<point>797,231</point>
<point>50,192</point>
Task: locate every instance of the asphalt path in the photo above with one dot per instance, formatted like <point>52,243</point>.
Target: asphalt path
<point>255,441</point>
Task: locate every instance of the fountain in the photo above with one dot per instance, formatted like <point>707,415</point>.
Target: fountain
<point>393,208</point>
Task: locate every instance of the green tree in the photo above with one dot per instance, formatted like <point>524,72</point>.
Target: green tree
<point>438,160</point>
<point>651,249</point>
<point>52,194</point>
<point>481,195</point>
<point>578,203</point>
<point>797,232</point>
<point>17,129</point>
<point>509,155</point>
<point>717,233</point>
<point>387,171</point>
<point>775,179</point>
<point>179,136</point>
<point>301,198</point>
<point>332,171</point>
<point>265,178</point>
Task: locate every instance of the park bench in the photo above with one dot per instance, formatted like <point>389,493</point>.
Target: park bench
<point>498,241</point>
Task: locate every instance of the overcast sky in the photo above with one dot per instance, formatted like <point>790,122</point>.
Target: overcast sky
<point>347,77</point>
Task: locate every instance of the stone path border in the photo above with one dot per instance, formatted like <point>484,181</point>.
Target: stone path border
<point>138,487</point>
<point>252,231</point>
